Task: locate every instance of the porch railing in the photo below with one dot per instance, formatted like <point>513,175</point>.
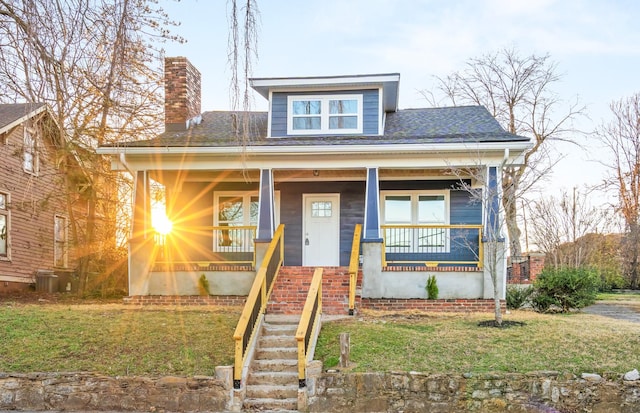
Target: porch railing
<point>309,324</point>
<point>353,267</point>
<point>432,245</point>
<point>256,303</point>
<point>231,245</point>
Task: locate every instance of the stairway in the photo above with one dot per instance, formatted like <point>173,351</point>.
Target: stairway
<point>272,383</point>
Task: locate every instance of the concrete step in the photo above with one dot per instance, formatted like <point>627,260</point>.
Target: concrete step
<point>272,391</point>
<point>277,341</point>
<point>279,329</point>
<point>282,318</point>
<point>289,378</point>
<point>274,365</point>
<point>284,353</point>
<point>271,404</point>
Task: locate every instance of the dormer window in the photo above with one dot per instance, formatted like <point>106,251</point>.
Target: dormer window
<point>324,114</point>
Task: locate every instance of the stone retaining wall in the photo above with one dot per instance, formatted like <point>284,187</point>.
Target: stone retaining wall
<point>337,392</point>
<point>93,392</point>
<point>548,392</point>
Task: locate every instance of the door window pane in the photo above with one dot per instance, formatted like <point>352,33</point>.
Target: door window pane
<point>321,209</point>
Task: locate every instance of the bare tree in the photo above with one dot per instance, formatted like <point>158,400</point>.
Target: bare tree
<point>243,50</point>
<point>483,188</point>
<point>559,226</point>
<point>621,137</point>
<point>96,64</point>
<point>518,91</point>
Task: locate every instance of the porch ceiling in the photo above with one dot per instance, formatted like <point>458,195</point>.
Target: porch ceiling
<point>292,175</point>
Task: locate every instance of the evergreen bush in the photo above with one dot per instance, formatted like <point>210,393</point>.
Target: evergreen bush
<point>565,289</point>
<point>518,296</point>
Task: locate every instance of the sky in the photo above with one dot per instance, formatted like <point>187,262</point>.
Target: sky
<point>595,44</point>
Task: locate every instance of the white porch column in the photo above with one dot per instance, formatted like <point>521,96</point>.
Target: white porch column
<point>141,244</point>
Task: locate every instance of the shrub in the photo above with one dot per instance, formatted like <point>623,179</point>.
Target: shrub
<point>203,285</point>
<point>432,288</point>
<point>518,296</point>
<point>565,289</point>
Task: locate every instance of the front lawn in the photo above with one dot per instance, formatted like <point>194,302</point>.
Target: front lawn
<point>437,343</point>
<point>115,339</point>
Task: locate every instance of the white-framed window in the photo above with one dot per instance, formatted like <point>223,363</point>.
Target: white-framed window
<point>324,114</point>
<point>60,241</point>
<point>5,226</point>
<point>408,210</point>
<point>236,210</point>
<point>30,161</point>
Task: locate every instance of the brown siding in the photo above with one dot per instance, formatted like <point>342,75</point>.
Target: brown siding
<point>34,201</point>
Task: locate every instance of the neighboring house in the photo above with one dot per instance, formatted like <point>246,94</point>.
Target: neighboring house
<point>34,234</point>
<point>330,153</point>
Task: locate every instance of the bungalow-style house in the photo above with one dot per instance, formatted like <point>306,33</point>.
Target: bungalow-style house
<point>34,220</point>
<point>331,152</point>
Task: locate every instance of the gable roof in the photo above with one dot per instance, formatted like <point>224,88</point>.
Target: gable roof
<point>389,82</point>
<point>13,114</point>
<point>462,124</point>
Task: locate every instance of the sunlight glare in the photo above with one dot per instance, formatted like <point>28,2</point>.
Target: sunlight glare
<point>161,222</point>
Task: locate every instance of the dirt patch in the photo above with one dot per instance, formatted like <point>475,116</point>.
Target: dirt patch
<point>504,324</point>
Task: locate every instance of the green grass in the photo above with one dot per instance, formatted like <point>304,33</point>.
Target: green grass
<point>635,298</point>
<point>115,339</point>
<point>455,343</point>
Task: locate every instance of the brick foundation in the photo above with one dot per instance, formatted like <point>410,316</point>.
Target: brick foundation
<point>442,306</point>
<point>213,300</point>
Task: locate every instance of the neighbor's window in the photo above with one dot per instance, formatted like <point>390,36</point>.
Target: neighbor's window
<point>409,213</point>
<point>30,154</point>
<point>4,226</point>
<point>330,114</point>
<point>60,241</point>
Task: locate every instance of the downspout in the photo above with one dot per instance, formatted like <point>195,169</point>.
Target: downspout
<point>126,165</point>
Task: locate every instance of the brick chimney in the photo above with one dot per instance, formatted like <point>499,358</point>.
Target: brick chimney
<point>181,94</point>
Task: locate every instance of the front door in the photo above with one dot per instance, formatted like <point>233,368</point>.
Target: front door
<point>321,230</point>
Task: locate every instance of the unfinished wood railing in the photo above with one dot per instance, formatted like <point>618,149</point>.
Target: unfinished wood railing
<point>256,303</point>
<point>309,324</point>
<point>353,267</point>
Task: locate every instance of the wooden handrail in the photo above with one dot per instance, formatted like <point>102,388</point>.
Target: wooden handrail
<point>353,267</point>
<point>309,323</point>
<point>257,302</point>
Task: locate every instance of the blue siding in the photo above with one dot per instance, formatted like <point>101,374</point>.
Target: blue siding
<point>351,213</point>
<point>370,109</point>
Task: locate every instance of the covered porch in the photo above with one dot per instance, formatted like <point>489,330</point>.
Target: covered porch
<point>416,222</point>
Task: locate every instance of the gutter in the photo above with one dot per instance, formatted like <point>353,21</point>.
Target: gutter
<point>319,149</point>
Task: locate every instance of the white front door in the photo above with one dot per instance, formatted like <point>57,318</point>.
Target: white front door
<point>321,230</point>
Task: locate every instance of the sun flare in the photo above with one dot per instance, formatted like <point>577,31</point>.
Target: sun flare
<point>160,222</point>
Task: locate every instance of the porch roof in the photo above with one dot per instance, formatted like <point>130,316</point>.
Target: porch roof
<point>462,124</point>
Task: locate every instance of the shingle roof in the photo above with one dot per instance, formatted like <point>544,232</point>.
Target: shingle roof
<point>430,125</point>
<point>9,113</point>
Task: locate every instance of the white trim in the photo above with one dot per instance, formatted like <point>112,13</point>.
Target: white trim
<point>24,118</point>
<point>35,160</point>
<point>65,251</point>
<point>332,195</point>
<point>324,114</point>
<point>438,148</point>
<point>246,206</point>
<point>7,212</point>
<point>269,114</point>
<point>16,279</point>
<point>415,194</point>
